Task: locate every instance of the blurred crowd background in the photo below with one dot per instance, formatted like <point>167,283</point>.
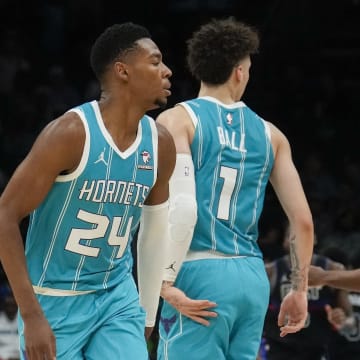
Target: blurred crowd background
<point>305,79</point>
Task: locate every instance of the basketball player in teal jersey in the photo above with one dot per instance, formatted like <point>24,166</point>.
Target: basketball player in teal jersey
<point>226,154</point>
<point>88,178</point>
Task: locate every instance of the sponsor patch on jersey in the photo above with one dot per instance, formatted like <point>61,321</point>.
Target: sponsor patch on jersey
<point>146,157</point>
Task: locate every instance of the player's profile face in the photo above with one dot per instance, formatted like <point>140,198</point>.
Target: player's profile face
<point>148,75</point>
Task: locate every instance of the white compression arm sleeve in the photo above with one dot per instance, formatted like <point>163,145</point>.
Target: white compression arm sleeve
<point>182,214</point>
<point>151,251</point>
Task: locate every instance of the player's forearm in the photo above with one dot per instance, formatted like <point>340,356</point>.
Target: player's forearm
<point>152,249</point>
<point>343,279</point>
<point>182,214</point>
<point>301,249</point>
<point>13,261</point>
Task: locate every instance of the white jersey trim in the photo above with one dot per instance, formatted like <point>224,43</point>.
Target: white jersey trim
<point>267,129</point>
<point>209,254</point>
<point>191,113</point>
<point>155,141</point>
<point>85,155</point>
<point>228,106</point>
<point>59,292</point>
<point>123,154</point>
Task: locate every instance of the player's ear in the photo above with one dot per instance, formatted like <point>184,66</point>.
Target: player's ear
<point>121,70</point>
<point>239,72</point>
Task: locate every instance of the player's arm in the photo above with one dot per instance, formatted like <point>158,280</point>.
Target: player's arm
<point>271,272</point>
<point>340,314</point>
<point>182,201</point>
<point>49,156</point>
<point>287,185</point>
<point>341,279</point>
<point>182,216</point>
<point>153,233</point>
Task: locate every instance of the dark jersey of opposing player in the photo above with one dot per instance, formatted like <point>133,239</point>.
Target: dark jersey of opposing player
<point>317,330</point>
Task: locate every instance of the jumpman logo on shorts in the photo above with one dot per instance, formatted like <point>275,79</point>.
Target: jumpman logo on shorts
<point>101,158</point>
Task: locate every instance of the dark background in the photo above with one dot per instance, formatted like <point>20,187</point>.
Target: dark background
<point>306,80</point>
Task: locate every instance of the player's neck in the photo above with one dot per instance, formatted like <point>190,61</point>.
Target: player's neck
<point>121,109</point>
<point>120,121</point>
<point>224,93</point>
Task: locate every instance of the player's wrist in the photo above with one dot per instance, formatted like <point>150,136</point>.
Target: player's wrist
<point>166,284</point>
<point>302,291</point>
<point>299,280</point>
<point>328,277</point>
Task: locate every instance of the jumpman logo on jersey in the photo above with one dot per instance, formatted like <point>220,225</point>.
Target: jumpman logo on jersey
<point>171,267</point>
<point>101,158</point>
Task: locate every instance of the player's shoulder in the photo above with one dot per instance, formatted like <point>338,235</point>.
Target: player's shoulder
<point>166,150</point>
<point>274,129</point>
<point>164,136</point>
<point>278,138</point>
<point>172,115</point>
<point>68,128</point>
<point>69,121</point>
<point>176,120</point>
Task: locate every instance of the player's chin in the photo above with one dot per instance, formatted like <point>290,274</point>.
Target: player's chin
<point>161,102</point>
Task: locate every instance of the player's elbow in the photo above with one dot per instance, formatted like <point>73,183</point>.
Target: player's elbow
<point>182,216</point>
<point>304,224</point>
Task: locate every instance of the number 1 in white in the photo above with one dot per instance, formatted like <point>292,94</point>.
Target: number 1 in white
<point>229,176</point>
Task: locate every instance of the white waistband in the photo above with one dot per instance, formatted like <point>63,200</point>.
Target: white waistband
<point>59,292</point>
<point>208,254</point>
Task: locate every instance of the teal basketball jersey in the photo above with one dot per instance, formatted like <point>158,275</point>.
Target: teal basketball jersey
<point>79,237</point>
<point>233,158</point>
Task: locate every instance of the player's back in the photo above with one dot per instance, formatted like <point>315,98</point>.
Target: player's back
<point>233,158</point>
<point>79,237</point>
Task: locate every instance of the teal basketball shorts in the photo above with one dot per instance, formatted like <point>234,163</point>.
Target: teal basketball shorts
<point>106,325</point>
<point>240,287</point>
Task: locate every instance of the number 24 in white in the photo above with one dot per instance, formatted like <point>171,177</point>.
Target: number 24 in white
<point>229,175</point>
<point>101,224</point>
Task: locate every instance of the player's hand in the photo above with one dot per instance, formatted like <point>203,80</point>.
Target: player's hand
<point>293,312</point>
<point>335,316</point>
<point>40,341</point>
<point>196,310</point>
<point>316,276</point>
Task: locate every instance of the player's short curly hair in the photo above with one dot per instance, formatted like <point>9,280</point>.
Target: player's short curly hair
<point>217,47</point>
<point>113,43</point>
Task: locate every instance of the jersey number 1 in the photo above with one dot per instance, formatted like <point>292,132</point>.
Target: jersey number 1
<point>229,175</point>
